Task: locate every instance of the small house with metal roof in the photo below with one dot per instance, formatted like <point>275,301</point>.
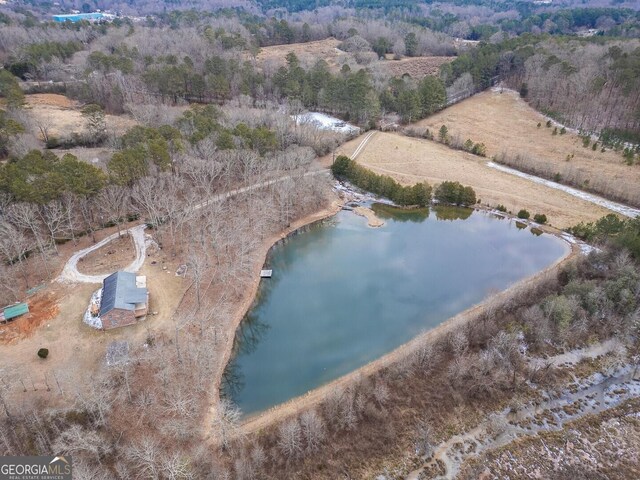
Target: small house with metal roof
<point>124,300</point>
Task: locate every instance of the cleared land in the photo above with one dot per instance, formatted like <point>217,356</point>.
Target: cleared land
<point>76,351</point>
<point>410,160</point>
<point>307,53</point>
<point>62,116</point>
<point>508,126</point>
<point>112,257</point>
<point>327,50</point>
<point>416,67</point>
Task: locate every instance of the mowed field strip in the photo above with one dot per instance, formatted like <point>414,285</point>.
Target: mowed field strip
<point>410,160</point>
<point>310,52</point>
<point>507,125</point>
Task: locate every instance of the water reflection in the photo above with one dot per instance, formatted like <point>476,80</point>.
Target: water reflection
<point>343,294</point>
<point>249,336</point>
<point>418,215</point>
<point>247,339</point>
<point>447,212</point>
<point>385,211</point>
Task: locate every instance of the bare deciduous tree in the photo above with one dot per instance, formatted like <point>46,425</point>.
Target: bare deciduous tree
<point>114,204</point>
<point>225,423</point>
<point>290,439</point>
<point>145,455</point>
<point>313,430</point>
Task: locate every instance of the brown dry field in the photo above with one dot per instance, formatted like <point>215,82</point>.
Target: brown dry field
<point>109,258</point>
<point>416,67</point>
<point>410,160</point>
<point>327,49</point>
<point>307,53</point>
<point>63,116</point>
<point>507,124</point>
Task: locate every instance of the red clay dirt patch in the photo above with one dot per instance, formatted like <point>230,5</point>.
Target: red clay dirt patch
<point>42,308</point>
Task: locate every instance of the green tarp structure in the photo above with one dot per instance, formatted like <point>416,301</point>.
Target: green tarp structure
<point>15,311</point>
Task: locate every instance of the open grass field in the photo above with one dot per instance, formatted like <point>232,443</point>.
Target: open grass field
<point>62,116</point>
<point>309,53</point>
<point>410,160</point>
<point>508,126</point>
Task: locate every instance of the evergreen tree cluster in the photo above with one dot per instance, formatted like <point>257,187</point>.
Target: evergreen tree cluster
<point>613,229</point>
<point>40,177</point>
<point>10,90</point>
<point>413,103</point>
<point>348,94</point>
<point>31,56</point>
<point>9,128</point>
<point>455,193</point>
<point>383,185</point>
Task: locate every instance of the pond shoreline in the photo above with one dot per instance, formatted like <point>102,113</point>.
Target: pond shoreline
<point>250,296</point>
<point>256,422</point>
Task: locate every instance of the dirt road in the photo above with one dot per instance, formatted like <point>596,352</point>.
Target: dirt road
<point>589,197</point>
<point>70,273</point>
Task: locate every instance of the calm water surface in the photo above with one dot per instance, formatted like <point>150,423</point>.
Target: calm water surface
<point>344,294</point>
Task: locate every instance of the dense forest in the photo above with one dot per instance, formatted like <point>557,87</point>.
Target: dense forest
<point>212,58</point>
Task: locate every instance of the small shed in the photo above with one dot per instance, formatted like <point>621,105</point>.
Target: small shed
<point>9,313</point>
<point>124,300</point>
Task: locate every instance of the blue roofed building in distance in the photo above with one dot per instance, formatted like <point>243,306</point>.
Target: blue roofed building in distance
<point>77,17</point>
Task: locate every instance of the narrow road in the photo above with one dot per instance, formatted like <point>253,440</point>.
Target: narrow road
<point>363,144</point>
<point>620,208</point>
<point>613,206</point>
<point>70,273</point>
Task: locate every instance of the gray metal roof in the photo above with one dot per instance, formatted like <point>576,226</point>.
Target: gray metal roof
<point>119,291</point>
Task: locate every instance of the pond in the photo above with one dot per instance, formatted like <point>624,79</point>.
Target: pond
<point>343,294</point>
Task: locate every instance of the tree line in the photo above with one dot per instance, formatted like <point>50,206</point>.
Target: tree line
<point>416,195</point>
<point>601,73</point>
<point>622,233</point>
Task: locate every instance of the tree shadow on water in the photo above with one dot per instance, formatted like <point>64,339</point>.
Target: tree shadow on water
<point>247,338</point>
